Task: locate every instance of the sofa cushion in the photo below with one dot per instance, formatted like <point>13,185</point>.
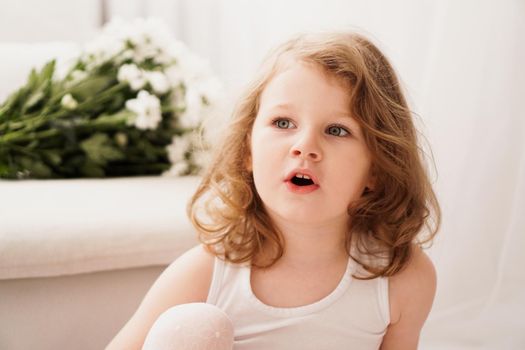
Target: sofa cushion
<point>61,227</point>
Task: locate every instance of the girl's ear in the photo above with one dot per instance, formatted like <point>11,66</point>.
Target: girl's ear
<point>371,183</point>
<point>369,187</point>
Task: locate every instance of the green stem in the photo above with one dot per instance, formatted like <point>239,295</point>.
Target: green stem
<point>104,95</point>
<point>101,122</point>
<point>22,150</point>
<point>32,124</point>
<point>35,122</point>
<point>35,135</point>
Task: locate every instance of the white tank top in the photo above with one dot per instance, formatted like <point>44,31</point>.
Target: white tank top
<point>354,315</point>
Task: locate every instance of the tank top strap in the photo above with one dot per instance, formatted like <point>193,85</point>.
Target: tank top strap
<point>216,281</point>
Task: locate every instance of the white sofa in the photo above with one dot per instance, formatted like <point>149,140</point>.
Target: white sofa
<point>77,256</point>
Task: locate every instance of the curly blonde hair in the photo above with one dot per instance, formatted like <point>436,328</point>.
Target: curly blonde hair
<point>386,221</point>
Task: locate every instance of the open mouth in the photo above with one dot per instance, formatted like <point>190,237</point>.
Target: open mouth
<point>300,181</point>
<point>301,184</point>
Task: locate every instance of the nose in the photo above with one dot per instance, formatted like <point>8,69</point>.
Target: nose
<point>307,147</point>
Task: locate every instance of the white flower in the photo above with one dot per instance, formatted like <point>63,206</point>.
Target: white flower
<point>102,49</point>
<point>196,110</point>
<point>201,158</point>
<point>126,55</point>
<point>147,110</point>
<point>171,54</point>
<point>144,49</point>
<point>186,67</point>
<point>192,115</point>
<point>210,88</point>
<point>175,75</point>
<point>178,147</point>
<point>132,75</point>
<point>177,150</point>
<point>115,36</point>
<point>68,102</point>
<point>193,67</point>
<point>78,75</point>
<point>178,102</point>
<point>158,81</point>
<point>75,77</point>
<point>178,169</point>
<point>147,38</point>
<point>176,49</point>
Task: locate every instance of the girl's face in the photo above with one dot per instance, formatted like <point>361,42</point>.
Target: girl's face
<point>304,125</point>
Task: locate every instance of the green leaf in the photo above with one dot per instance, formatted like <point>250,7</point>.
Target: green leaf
<point>149,151</point>
<point>35,97</point>
<point>92,169</point>
<point>5,171</point>
<point>53,156</point>
<point>32,81</point>
<point>28,96</point>
<point>100,150</point>
<point>113,121</point>
<point>36,168</point>
<point>47,72</point>
<point>39,86</point>
<point>32,145</point>
<point>7,107</point>
<point>90,87</point>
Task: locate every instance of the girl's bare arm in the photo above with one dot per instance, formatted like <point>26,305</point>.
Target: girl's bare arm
<point>411,296</point>
<point>186,280</point>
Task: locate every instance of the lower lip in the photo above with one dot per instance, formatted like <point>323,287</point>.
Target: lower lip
<point>301,189</point>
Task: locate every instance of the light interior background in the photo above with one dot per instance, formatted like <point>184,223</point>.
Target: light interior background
<point>461,63</point>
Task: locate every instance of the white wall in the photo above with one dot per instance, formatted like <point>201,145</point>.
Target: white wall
<point>56,20</point>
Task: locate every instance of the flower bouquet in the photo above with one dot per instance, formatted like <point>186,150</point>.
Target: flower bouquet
<point>132,103</point>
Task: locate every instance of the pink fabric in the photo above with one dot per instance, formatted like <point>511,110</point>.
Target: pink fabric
<point>193,326</point>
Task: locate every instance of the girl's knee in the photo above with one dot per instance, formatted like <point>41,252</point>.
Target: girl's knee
<point>191,326</point>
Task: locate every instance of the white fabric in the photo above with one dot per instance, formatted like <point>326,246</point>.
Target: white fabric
<point>354,315</point>
<point>81,311</point>
<point>193,326</point>
<point>62,227</point>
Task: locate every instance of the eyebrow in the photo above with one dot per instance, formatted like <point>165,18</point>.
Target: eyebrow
<point>336,114</point>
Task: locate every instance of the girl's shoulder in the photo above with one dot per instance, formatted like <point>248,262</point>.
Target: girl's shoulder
<point>412,291</point>
<point>198,262</point>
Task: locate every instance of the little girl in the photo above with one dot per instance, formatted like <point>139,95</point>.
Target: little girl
<point>309,216</point>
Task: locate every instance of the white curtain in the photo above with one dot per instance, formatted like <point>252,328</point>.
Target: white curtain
<point>30,21</point>
<point>471,98</point>
<point>462,65</point>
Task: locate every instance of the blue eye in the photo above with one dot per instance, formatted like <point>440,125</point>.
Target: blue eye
<point>334,130</point>
<point>337,131</point>
<point>282,123</point>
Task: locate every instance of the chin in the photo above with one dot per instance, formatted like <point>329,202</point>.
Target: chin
<point>300,215</point>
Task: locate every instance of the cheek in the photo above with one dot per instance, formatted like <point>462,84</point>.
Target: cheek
<point>351,179</point>
<point>259,160</point>
<point>264,163</point>
<point>265,151</point>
